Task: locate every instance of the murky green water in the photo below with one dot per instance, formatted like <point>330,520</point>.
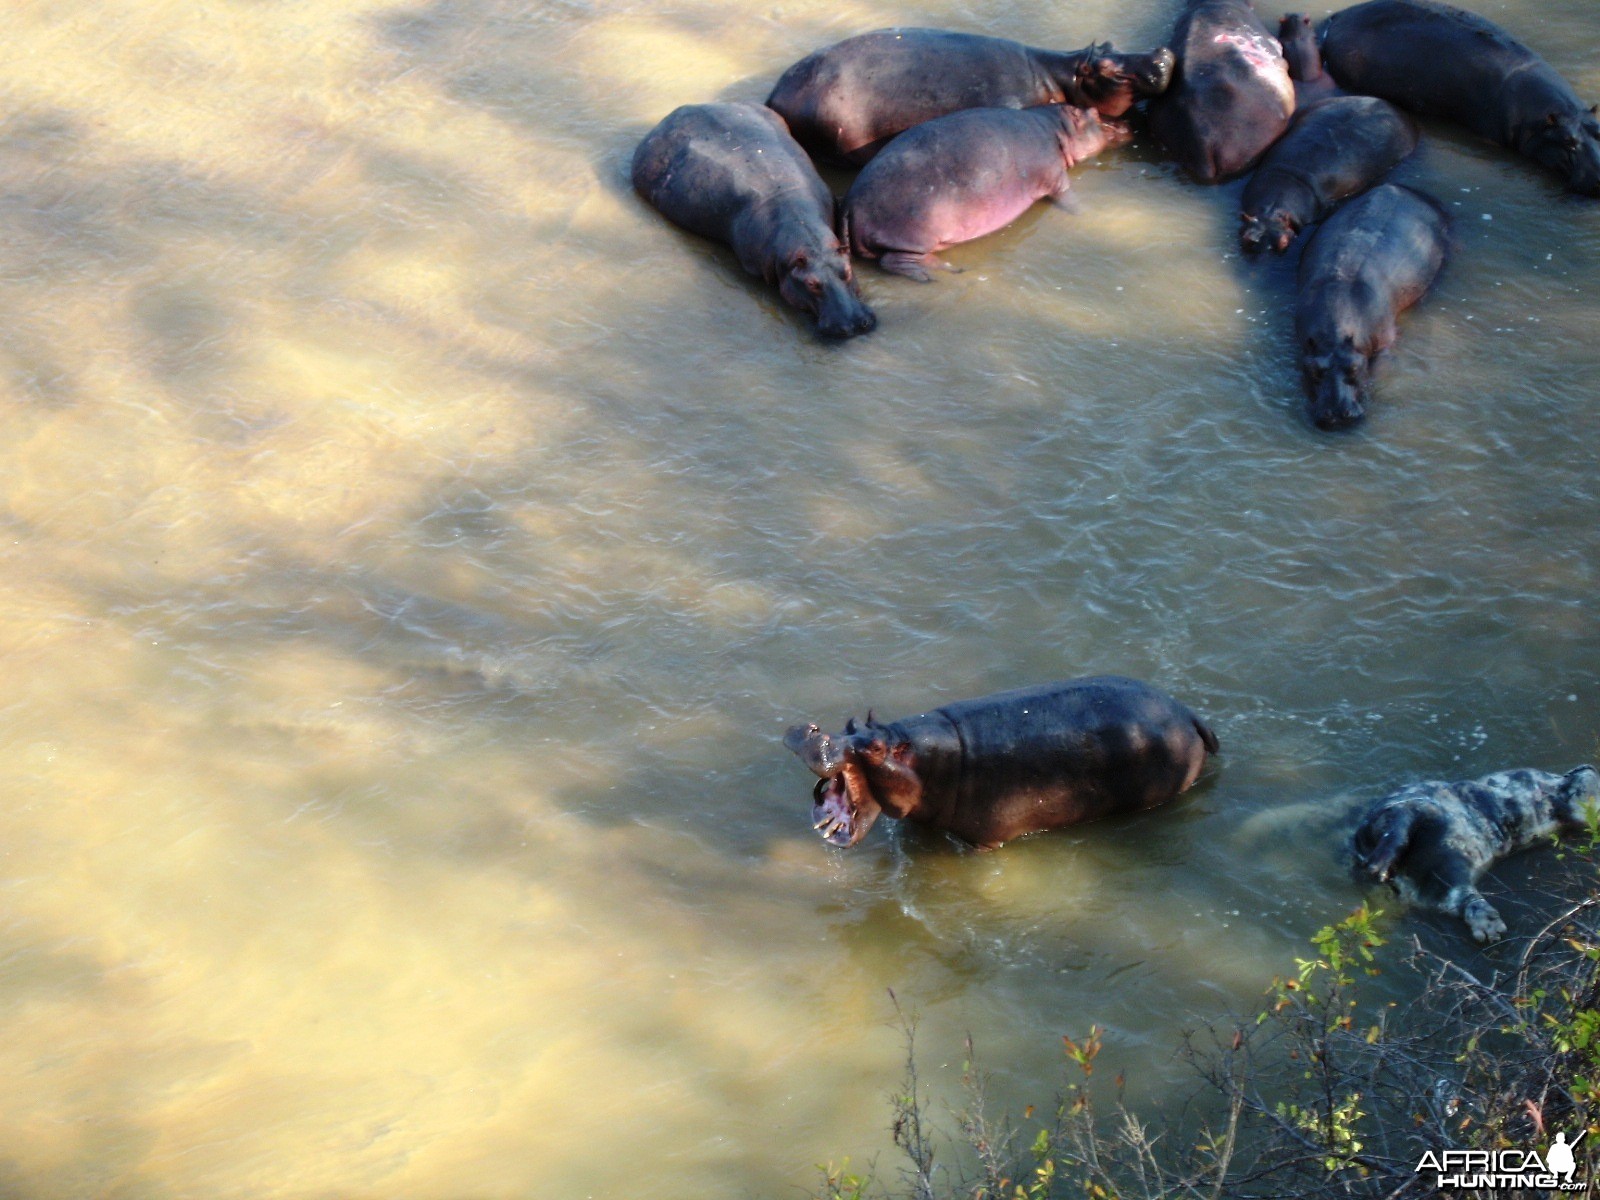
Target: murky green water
<point>414,550</point>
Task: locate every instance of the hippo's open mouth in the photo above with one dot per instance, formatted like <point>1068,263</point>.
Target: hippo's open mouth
<point>836,814</point>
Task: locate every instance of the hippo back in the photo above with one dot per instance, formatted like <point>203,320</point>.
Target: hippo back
<point>1232,95</point>
<point>1437,60</point>
<point>1040,757</point>
<point>705,164</point>
<point>845,101</point>
<point>1390,243</point>
<point>1340,147</point>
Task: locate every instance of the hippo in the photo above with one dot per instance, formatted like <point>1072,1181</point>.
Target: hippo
<point>845,102</point>
<point>961,176</point>
<point>1372,259</point>
<point>1438,61</point>
<point>732,173</point>
<point>1432,841</point>
<point>1333,150</point>
<point>1231,96</point>
<point>1303,56</point>
<point>993,769</point>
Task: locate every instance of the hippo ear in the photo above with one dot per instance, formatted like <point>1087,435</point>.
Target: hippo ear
<point>850,725</point>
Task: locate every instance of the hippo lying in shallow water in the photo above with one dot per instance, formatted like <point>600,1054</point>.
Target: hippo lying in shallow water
<point>1431,841</point>
<point>1333,150</point>
<point>1370,261</point>
<point>846,101</point>
<point>732,173</point>
<point>1439,61</point>
<point>961,176</point>
<point>996,768</point>
<point>1231,96</point>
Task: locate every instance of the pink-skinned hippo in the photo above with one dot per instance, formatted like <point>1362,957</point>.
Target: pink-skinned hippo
<point>1303,56</point>
<point>1333,150</point>
<point>1231,96</point>
<point>1438,61</point>
<point>732,173</point>
<point>993,769</point>
<point>845,102</point>
<point>1367,263</point>
<point>961,176</point>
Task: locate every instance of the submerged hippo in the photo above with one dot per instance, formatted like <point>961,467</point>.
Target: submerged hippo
<point>961,176</point>
<point>847,101</point>
<point>1303,56</point>
<point>1333,150</point>
<point>1432,841</point>
<point>732,173</point>
<point>1368,262</point>
<point>1231,96</point>
<point>991,770</point>
<point>1439,61</point>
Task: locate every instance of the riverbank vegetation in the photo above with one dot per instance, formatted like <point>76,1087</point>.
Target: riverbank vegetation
<point>1319,1094</point>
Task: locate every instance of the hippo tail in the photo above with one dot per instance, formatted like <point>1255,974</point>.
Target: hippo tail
<point>1207,738</point>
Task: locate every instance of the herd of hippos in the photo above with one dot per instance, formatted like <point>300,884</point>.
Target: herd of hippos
<point>957,134</point>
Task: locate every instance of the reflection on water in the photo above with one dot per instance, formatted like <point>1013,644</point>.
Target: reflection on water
<point>416,549</point>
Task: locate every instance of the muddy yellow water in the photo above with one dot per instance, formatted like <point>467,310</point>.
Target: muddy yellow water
<point>414,549</point>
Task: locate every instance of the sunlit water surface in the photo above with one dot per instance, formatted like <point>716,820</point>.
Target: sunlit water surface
<point>415,549</point>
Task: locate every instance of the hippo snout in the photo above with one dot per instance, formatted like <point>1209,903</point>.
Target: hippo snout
<point>1157,74</point>
<point>842,314</point>
<point>1584,176</point>
<point>1338,405</point>
<point>822,756</point>
<point>1256,235</point>
<point>1116,133</point>
<point>1252,234</point>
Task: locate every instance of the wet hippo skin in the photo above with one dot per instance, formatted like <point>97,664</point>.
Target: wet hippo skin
<point>1440,61</point>
<point>846,101</point>
<point>996,768</point>
<point>961,176</point>
<point>732,173</point>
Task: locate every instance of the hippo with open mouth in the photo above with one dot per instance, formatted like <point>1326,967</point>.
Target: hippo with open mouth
<point>996,768</point>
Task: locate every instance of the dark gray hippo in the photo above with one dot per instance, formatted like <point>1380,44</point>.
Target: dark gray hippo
<point>1333,150</point>
<point>846,101</point>
<point>1432,841</point>
<point>1010,764</point>
<point>1438,61</point>
<point>1368,262</point>
<point>1303,56</point>
<point>732,173</point>
<point>961,176</point>
<point>1231,95</point>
